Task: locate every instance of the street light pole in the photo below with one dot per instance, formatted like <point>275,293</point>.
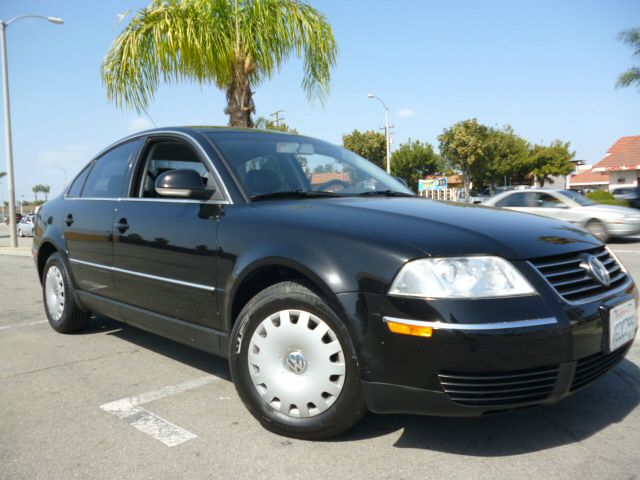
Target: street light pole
<point>386,130</point>
<point>13,234</point>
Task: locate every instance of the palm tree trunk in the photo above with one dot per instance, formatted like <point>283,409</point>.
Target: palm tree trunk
<point>240,104</point>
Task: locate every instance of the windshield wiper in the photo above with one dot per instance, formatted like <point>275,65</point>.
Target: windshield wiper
<point>292,194</point>
<point>385,193</point>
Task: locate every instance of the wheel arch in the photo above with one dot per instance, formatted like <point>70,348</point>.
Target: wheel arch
<point>260,274</point>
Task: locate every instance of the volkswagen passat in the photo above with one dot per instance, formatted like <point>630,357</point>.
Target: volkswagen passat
<point>330,287</point>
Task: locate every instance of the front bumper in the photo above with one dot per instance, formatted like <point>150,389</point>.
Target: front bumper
<point>466,372</point>
<point>623,229</point>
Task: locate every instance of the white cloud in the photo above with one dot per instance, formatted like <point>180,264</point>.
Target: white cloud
<point>139,123</point>
<point>405,113</point>
<point>70,158</point>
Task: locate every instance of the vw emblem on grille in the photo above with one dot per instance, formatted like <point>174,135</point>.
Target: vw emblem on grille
<point>296,363</point>
<point>598,270</point>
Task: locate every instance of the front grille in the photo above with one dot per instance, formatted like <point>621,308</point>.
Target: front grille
<point>495,389</point>
<point>593,367</point>
<point>572,281</point>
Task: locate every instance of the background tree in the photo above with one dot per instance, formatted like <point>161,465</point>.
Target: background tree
<point>632,76</point>
<point>508,156</point>
<point>36,190</point>
<point>551,160</point>
<point>233,44</point>
<point>464,147</point>
<point>45,189</point>
<point>413,161</point>
<point>268,124</point>
<point>370,145</point>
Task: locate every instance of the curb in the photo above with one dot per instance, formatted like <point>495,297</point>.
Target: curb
<point>16,252</point>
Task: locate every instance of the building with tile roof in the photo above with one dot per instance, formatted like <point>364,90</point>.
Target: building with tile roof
<point>622,162</point>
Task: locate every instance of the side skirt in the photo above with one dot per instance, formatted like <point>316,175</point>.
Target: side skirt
<point>197,336</point>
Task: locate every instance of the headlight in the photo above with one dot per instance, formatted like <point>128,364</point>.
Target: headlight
<point>460,277</point>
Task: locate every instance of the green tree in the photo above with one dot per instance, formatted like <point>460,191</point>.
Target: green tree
<point>464,148</point>
<point>413,161</point>
<point>36,189</point>
<point>45,189</point>
<point>551,160</point>
<point>234,44</point>
<point>370,145</point>
<point>268,124</point>
<point>508,156</point>
<point>632,76</point>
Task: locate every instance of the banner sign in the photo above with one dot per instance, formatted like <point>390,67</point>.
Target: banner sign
<point>441,183</point>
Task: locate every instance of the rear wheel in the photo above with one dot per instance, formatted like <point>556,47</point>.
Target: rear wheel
<point>293,364</point>
<point>63,313</point>
<point>598,230</point>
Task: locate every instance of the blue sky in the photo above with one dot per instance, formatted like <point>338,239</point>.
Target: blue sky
<point>547,68</point>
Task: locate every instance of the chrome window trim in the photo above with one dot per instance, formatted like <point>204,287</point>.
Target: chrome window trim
<point>143,275</point>
<point>150,134</point>
<point>163,200</point>
<point>536,322</point>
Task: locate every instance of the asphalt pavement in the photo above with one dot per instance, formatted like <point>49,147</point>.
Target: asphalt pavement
<point>107,403</point>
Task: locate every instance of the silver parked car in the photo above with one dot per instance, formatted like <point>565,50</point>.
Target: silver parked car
<point>25,227</point>
<point>604,221</point>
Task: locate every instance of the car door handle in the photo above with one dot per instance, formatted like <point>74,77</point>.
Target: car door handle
<point>69,220</point>
<point>122,225</point>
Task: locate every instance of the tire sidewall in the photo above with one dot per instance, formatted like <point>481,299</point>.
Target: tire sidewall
<point>248,321</point>
<point>60,325</point>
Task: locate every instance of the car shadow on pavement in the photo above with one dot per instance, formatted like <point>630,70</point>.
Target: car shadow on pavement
<point>193,357</point>
<point>608,401</point>
<point>624,240</point>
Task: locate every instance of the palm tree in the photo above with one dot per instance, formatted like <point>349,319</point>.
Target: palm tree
<point>632,76</point>
<point>234,44</point>
<point>45,189</point>
<point>36,190</point>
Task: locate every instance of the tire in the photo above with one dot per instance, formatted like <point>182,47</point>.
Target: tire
<point>63,313</point>
<point>296,380</point>
<point>598,230</point>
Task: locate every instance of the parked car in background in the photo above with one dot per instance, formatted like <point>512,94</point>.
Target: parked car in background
<point>331,295</point>
<point>630,194</point>
<point>26,226</point>
<point>603,221</point>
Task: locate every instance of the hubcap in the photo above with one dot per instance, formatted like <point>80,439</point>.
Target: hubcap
<point>54,292</point>
<point>296,363</point>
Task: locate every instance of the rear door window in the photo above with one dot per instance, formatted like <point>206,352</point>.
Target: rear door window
<point>109,171</point>
<point>76,187</point>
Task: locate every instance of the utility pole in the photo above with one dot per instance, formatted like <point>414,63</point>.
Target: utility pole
<point>277,118</point>
<point>387,132</point>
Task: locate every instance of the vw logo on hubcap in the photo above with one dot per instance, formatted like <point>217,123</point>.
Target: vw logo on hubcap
<point>296,363</point>
<point>598,270</point>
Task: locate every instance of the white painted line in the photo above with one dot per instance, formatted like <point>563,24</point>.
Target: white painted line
<point>626,251</point>
<point>20,325</point>
<point>148,422</point>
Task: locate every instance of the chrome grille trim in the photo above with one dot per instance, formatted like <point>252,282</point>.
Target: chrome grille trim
<point>573,283</point>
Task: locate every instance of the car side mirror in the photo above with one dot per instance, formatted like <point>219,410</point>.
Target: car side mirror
<point>182,183</point>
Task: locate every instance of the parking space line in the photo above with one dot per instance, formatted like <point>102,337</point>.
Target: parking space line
<point>129,410</point>
<point>20,325</point>
<point>625,251</point>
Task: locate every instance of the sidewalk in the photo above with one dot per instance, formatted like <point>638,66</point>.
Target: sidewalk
<point>24,244</point>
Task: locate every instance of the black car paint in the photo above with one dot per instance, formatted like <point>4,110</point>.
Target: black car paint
<point>348,249</point>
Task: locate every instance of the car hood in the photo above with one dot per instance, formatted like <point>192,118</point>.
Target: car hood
<point>438,228</point>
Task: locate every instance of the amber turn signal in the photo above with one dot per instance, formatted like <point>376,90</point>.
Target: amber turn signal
<point>415,330</point>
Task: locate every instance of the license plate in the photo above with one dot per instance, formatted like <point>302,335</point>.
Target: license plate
<point>622,324</point>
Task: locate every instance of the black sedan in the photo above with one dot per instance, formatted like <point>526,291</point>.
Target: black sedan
<point>330,286</point>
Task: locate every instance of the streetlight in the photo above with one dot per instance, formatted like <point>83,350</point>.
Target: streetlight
<point>63,171</point>
<point>386,130</point>
<point>7,119</point>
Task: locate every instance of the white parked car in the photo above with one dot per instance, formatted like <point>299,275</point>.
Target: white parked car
<point>25,227</point>
<point>604,221</point>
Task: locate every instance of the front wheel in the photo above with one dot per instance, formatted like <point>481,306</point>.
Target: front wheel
<point>294,366</point>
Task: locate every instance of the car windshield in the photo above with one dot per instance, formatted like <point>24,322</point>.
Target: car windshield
<point>270,165</point>
<point>578,197</point>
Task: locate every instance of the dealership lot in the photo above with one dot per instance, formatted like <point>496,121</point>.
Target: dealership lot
<point>115,401</point>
